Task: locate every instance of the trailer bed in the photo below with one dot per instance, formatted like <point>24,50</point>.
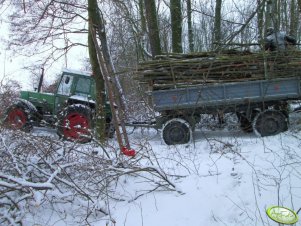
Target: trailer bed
<point>219,95</point>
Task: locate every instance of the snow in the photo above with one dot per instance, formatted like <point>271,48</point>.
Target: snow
<point>21,182</point>
<point>82,98</point>
<point>223,177</point>
<point>222,185</point>
<point>72,71</point>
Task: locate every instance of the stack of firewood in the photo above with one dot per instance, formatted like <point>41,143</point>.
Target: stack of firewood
<point>182,70</point>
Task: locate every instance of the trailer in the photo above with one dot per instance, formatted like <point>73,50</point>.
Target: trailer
<point>261,106</point>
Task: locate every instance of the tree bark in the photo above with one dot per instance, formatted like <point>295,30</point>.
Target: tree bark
<point>141,39</point>
<point>260,22</point>
<point>176,25</point>
<point>99,81</point>
<point>294,18</point>
<point>152,24</point>
<point>272,15</point>
<point>142,16</point>
<point>190,29</point>
<point>217,37</point>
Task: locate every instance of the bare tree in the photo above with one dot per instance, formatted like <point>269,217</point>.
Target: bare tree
<point>46,29</point>
<point>95,19</point>
<point>176,25</point>
<point>217,32</point>
<point>260,23</point>
<point>152,24</point>
<point>190,28</point>
<point>294,18</point>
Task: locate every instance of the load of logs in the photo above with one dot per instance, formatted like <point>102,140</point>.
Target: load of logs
<point>182,70</point>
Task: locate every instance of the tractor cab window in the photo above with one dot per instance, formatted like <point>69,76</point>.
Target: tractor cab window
<point>83,86</point>
<point>65,85</point>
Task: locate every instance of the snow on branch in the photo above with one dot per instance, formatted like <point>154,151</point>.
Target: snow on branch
<point>19,183</point>
<point>41,172</point>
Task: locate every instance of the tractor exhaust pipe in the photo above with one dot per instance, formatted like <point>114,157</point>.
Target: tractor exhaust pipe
<point>41,81</point>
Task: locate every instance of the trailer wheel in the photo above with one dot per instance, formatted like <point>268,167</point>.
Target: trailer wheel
<point>269,123</point>
<point>75,123</point>
<point>176,131</point>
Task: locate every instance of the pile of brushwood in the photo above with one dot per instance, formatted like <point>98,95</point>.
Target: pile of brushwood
<point>182,70</point>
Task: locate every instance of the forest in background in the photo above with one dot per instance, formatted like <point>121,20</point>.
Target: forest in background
<point>137,30</point>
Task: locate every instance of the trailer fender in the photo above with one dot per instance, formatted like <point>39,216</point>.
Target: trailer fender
<point>192,120</point>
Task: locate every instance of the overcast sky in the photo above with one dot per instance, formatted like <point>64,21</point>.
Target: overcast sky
<point>12,65</point>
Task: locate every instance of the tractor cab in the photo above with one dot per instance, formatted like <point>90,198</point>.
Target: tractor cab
<point>73,86</point>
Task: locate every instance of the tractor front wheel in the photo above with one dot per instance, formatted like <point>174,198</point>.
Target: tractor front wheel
<point>19,116</point>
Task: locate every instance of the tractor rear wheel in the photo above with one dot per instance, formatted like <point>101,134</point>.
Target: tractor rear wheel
<point>75,124</point>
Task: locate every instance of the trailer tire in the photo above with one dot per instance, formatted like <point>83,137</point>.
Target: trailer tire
<point>176,131</point>
<point>269,123</point>
<point>75,123</point>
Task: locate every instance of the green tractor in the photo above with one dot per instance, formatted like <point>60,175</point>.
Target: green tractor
<point>70,109</point>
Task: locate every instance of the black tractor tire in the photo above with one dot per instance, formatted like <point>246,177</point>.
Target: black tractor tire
<point>269,123</point>
<point>75,123</point>
<point>20,116</point>
<point>176,131</point>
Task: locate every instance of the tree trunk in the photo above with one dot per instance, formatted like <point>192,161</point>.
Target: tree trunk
<point>294,18</point>
<point>268,13</point>
<point>190,29</point>
<point>117,91</point>
<point>176,25</point>
<point>217,34</point>
<point>272,15</point>
<point>152,24</point>
<point>260,23</point>
<point>142,16</point>
<point>141,38</point>
<point>99,82</point>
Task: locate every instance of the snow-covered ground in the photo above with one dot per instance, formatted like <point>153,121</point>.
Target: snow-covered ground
<point>222,178</point>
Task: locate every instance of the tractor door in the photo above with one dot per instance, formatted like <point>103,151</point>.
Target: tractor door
<point>63,91</point>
